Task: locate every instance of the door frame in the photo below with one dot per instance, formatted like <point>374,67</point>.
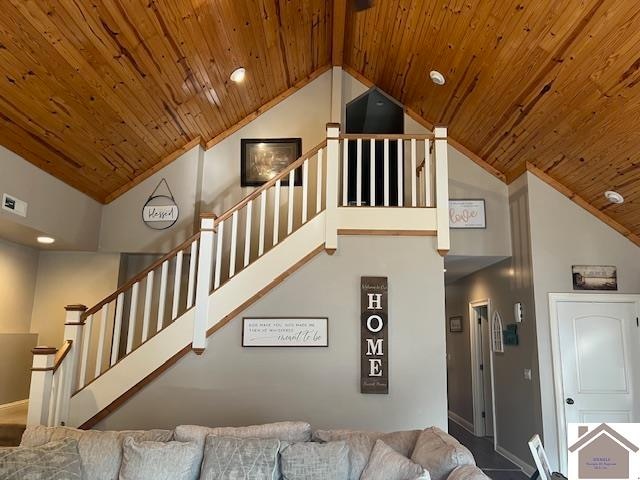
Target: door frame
<point>477,388</point>
<point>554,300</point>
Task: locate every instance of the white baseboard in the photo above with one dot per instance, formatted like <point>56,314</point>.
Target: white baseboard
<point>526,468</point>
<point>466,424</point>
<point>13,406</point>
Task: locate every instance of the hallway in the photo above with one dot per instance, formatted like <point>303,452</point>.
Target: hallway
<point>494,465</point>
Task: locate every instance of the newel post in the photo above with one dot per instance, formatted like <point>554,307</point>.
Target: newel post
<point>442,188</point>
<point>203,285</point>
<point>73,328</point>
<point>41,380</point>
<point>333,177</point>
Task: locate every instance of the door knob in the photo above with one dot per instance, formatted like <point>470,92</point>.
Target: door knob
<point>570,401</point>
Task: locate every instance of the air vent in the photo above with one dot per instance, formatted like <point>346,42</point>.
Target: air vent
<point>14,205</point>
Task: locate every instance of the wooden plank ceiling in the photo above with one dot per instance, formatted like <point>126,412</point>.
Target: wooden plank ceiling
<point>98,93</point>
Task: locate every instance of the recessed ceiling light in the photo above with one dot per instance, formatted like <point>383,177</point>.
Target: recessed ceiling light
<point>613,197</point>
<point>46,240</point>
<point>237,75</point>
<point>437,77</point>
<point>379,103</point>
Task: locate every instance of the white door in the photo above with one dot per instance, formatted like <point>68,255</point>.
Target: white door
<point>485,355</point>
<point>599,356</point>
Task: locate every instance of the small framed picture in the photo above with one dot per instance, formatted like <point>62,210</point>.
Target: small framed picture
<point>467,213</point>
<point>263,159</point>
<point>540,458</point>
<point>594,277</point>
<point>455,324</point>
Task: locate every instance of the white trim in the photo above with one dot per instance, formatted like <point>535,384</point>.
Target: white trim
<point>12,405</point>
<point>462,422</point>
<point>526,468</point>
<point>476,380</point>
<point>554,299</point>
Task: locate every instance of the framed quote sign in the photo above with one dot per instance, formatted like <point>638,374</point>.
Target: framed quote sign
<point>467,214</point>
<point>374,363</point>
<point>285,332</point>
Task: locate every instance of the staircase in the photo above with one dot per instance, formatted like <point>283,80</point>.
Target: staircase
<point>114,348</point>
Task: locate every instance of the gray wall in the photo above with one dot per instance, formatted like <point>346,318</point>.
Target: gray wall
<point>231,385</point>
<point>18,270</point>
<point>15,366</point>
<point>564,234</point>
<point>518,413</point>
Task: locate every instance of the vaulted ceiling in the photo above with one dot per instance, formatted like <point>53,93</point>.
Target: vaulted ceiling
<point>98,93</point>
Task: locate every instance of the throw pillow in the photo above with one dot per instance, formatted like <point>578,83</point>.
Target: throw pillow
<point>228,458</point>
<point>315,461</point>
<point>58,460</point>
<point>290,432</point>
<point>100,452</point>
<point>157,460</point>
<point>440,453</point>
<point>387,464</point>
<point>467,472</point>
<point>361,444</point>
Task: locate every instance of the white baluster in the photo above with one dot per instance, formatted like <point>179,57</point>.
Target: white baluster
<point>203,286</point>
<point>146,316</point>
<point>359,172</point>
<point>292,175</point>
<point>60,377</point>
<point>247,234</point>
<point>234,244</point>
<point>345,172</point>
<point>263,219</point>
<point>372,173</point>
<point>133,310</point>
<point>386,172</point>
<point>86,340</point>
<point>177,284</point>
<point>400,161</point>
<point>193,261</point>
<point>305,189</point>
<point>319,174</point>
<point>276,213</point>
<point>426,171</point>
<point>218,267</point>
<point>164,273</point>
<point>101,339</point>
<point>117,327</point>
<point>414,193</point>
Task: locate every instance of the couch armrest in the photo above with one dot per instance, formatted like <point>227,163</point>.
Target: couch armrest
<point>467,472</point>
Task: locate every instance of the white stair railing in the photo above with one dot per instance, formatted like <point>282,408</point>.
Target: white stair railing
<point>398,171</point>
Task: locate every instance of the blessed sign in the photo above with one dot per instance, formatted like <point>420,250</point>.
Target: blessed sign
<point>285,332</point>
<point>374,364</point>
<point>160,213</point>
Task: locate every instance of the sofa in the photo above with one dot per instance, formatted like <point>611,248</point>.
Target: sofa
<point>276,451</point>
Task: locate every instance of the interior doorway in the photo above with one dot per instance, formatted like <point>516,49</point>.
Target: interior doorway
<point>482,369</point>
<point>374,112</point>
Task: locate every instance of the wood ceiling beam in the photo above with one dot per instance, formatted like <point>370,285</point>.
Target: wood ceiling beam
<point>339,21</point>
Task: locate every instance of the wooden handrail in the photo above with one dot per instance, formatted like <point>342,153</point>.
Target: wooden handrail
<point>386,136</point>
<point>61,354</point>
<point>141,275</point>
<point>256,193</point>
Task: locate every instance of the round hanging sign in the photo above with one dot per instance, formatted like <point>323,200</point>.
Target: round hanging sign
<point>161,211</point>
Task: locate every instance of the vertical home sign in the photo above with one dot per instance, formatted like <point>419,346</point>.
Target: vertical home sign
<point>374,364</point>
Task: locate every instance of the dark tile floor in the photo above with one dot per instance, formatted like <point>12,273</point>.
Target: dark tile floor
<point>494,465</point>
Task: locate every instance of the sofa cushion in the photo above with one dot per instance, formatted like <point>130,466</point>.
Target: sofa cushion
<point>290,432</point>
<point>315,461</point>
<point>230,458</point>
<point>361,444</point>
<point>157,460</point>
<point>467,472</point>
<point>387,464</point>
<point>440,453</point>
<point>57,460</point>
<point>100,452</point>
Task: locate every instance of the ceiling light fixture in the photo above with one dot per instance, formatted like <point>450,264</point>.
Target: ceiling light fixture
<point>46,240</point>
<point>437,77</point>
<point>613,197</point>
<point>237,75</point>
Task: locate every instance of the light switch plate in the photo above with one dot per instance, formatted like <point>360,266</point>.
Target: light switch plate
<point>14,205</point>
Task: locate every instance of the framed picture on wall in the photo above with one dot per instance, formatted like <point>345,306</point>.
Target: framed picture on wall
<point>594,277</point>
<point>455,324</point>
<point>262,159</point>
<point>467,213</point>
